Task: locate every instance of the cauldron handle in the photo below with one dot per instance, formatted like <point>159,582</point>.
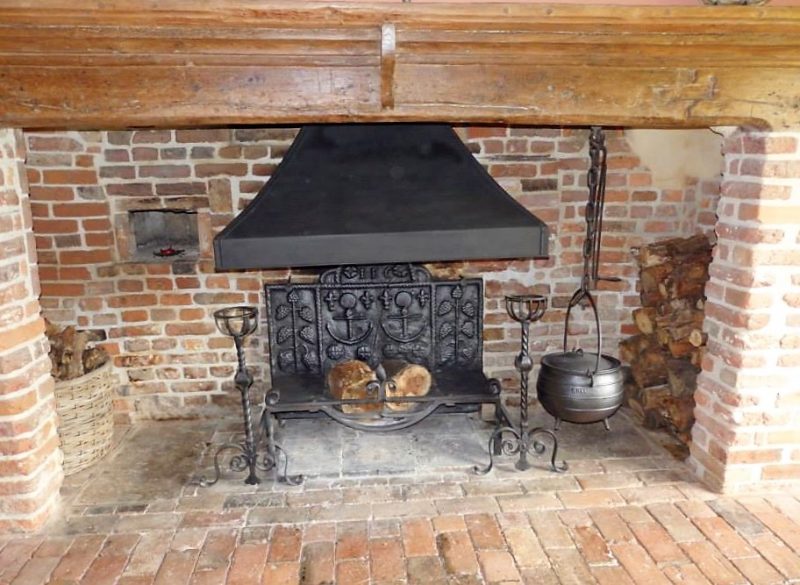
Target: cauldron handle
<point>577,297</point>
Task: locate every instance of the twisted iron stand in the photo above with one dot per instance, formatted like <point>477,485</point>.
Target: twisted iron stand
<point>524,309</point>
<point>239,322</point>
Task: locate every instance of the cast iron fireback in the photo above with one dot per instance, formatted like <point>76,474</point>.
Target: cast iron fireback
<point>378,193</point>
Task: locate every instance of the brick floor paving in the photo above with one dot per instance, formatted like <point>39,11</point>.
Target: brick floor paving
<point>614,520</point>
<point>596,535</point>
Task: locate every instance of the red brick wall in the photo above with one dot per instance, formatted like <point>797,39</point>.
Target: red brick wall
<point>158,316</point>
<point>30,461</point>
<point>748,399</point>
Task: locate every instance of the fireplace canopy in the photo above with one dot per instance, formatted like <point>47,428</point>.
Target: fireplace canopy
<point>378,193</point>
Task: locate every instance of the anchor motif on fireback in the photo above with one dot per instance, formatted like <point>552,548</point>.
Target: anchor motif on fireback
<point>350,317</point>
<point>403,301</point>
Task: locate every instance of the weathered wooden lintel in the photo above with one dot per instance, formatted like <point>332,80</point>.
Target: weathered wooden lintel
<point>119,63</point>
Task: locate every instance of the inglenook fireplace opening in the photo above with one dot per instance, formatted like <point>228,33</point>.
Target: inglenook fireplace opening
<point>385,64</point>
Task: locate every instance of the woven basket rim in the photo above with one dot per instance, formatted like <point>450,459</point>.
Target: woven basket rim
<point>96,372</point>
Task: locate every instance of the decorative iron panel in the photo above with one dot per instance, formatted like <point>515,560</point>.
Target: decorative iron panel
<point>372,313</point>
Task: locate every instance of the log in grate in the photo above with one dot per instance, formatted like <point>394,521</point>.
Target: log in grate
<point>377,314</point>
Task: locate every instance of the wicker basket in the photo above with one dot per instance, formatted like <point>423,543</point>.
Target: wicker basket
<point>86,422</point>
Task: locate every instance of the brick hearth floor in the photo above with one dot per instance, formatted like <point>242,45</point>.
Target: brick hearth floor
<point>625,512</point>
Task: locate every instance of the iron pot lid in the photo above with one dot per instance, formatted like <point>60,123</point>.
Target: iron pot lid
<point>580,362</point>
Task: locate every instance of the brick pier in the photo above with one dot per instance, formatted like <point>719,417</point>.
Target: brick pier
<point>30,461</point>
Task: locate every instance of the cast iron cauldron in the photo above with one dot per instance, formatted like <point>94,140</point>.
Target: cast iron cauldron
<point>578,386</point>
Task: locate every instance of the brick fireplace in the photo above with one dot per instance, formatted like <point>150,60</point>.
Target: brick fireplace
<point>67,197</point>
<point>157,312</point>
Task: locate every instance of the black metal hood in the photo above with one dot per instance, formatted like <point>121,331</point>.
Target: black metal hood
<point>378,193</point>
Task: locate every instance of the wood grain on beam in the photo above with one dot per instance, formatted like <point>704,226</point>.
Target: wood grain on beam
<point>388,61</point>
<point>119,63</point>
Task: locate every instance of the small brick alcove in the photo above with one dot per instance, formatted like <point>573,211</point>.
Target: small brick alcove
<point>162,233</point>
<point>66,229</point>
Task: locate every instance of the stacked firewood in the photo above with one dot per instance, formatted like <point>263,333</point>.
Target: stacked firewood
<point>665,357</point>
<point>72,352</point>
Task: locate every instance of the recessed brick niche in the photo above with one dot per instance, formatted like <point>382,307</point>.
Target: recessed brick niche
<point>160,234</point>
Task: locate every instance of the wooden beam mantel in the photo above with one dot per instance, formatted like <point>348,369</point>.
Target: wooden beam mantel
<point>179,63</point>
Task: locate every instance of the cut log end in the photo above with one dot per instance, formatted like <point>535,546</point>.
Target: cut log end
<point>353,379</point>
<point>405,380</point>
<point>645,319</point>
<point>349,380</point>
<point>71,354</point>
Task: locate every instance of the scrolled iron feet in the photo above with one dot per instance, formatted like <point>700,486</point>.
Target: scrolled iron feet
<point>237,464</point>
<point>507,447</point>
<point>269,462</point>
<point>539,448</point>
<point>522,445</point>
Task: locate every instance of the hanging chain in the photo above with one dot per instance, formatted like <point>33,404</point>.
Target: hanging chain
<point>596,182</point>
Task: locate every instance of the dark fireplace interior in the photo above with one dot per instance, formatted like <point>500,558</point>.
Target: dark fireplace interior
<point>163,233</point>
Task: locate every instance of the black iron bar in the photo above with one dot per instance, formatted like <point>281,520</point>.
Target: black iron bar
<point>596,182</point>
<point>524,366</point>
<point>244,380</point>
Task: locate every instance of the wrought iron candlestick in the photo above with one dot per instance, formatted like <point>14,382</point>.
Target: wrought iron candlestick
<point>524,309</point>
<point>239,322</point>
